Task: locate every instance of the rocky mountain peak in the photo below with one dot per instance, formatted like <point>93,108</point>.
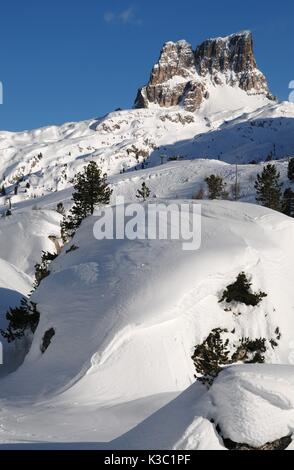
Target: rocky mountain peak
<point>231,61</point>
<point>182,76</point>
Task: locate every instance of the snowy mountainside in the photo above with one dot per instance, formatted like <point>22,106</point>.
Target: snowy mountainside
<point>124,139</point>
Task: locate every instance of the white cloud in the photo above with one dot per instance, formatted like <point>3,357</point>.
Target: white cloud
<point>109,16</point>
<point>127,16</point>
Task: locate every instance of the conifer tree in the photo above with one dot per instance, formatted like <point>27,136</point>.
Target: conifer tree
<point>268,188</point>
<point>41,269</point>
<point>21,319</point>
<point>90,190</point>
<point>144,192</point>
<point>288,202</point>
<point>291,169</point>
<point>216,187</point>
<point>240,291</point>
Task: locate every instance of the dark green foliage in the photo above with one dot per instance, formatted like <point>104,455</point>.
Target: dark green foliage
<point>143,193</point>
<point>209,356</point>
<point>90,190</point>
<point>21,319</point>
<point>250,351</point>
<point>216,187</point>
<point>240,291</point>
<point>41,269</point>
<point>288,202</point>
<point>46,341</point>
<point>215,352</point>
<point>291,169</point>
<point>268,188</point>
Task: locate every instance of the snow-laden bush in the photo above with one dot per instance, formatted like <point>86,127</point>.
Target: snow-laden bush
<point>240,291</point>
<point>22,319</point>
<point>217,351</point>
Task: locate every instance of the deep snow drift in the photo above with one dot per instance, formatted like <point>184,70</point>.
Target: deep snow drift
<point>123,338</point>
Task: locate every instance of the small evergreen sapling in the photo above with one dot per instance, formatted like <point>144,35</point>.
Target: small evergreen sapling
<point>144,192</point>
<point>269,188</point>
<point>210,356</point>
<point>240,291</point>
<point>90,190</point>
<point>41,269</point>
<point>216,187</point>
<point>218,351</point>
<point>21,319</point>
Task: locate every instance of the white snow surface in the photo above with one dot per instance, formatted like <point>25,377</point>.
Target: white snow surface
<point>254,404</point>
<point>128,314</point>
<point>131,312</point>
<point>231,126</point>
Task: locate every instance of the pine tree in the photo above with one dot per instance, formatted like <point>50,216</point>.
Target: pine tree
<point>90,190</point>
<point>288,202</point>
<point>21,319</point>
<point>268,188</point>
<point>144,192</point>
<point>216,187</point>
<point>291,169</point>
<point>240,291</point>
<point>210,356</point>
<point>41,269</point>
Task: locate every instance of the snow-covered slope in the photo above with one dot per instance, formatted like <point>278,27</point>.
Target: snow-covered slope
<point>123,139</point>
<point>121,337</point>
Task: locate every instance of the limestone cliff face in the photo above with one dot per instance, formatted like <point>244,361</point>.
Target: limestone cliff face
<point>231,61</point>
<point>173,79</point>
<point>181,76</point>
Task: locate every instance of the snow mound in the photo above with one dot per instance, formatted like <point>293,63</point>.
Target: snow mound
<point>13,285</point>
<point>254,404</point>
<point>24,236</point>
<point>113,329</point>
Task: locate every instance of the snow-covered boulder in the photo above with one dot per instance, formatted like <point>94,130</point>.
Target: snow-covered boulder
<point>254,404</point>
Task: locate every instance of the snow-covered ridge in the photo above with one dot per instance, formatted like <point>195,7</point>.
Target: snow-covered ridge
<point>232,126</point>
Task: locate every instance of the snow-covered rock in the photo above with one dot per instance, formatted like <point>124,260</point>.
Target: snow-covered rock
<point>254,404</point>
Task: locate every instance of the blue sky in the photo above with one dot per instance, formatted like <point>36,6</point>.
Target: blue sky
<point>68,60</point>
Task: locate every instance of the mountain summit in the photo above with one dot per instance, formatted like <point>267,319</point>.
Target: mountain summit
<point>183,76</point>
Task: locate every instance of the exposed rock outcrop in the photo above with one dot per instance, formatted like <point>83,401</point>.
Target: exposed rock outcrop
<point>231,61</point>
<point>182,76</point>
